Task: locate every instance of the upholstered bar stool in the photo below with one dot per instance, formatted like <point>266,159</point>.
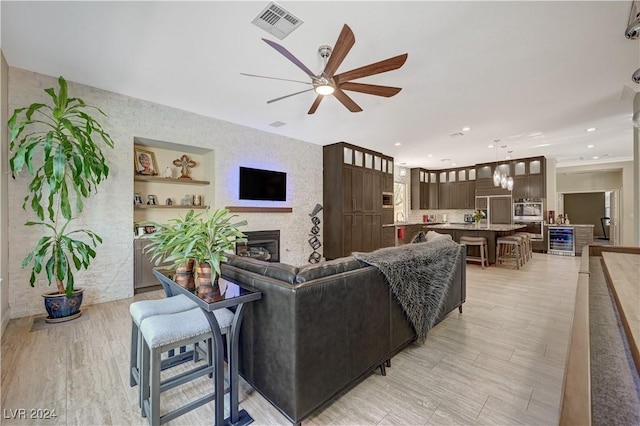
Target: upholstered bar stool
<point>509,248</point>
<point>528,249</point>
<point>147,308</point>
<point>481,242</point>
<point>162,333</point>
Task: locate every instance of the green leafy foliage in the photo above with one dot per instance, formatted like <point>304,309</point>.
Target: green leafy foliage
<point>202,237</point>
<point>60,145</point>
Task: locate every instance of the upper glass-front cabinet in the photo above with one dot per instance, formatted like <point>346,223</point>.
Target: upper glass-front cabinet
<point>534,167</point>
<point>348,155</point>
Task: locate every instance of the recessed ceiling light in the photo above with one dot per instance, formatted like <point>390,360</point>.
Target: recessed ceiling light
<point>430,155</point>
<point>542,145</point>
<point>453,164</point>
<point>466,129</point>
<point>491,146</point>
<point>533,135</point>
<point>508,157</point>
<point>595,157</point>
<point>590,146</point>
<point>591,129</point>
<point>398,143</point>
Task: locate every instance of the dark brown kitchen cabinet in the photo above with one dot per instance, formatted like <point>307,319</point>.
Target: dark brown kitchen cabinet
<point>529,178</point>
<point>420,189</point>
<point>425,189</point>
<point>354,180</point>
<point>500,210</point>
<point>433,190</point>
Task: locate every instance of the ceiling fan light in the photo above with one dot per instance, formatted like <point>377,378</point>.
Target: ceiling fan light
<point>324,89</point>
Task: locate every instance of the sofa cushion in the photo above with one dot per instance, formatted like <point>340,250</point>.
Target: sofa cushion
<point>420,237</point>
<point>433,235</point>
<point>279,271</point>
<point>325,269</point>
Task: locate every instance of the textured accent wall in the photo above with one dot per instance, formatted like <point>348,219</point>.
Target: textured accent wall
<point>4,177</point>
<point>110,211</point>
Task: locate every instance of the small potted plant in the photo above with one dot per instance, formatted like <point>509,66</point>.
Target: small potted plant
<point>59,145</point>
<point>203,238</point>
<point>478,215</point>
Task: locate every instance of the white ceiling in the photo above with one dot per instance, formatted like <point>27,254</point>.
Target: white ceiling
<point>533,74</point>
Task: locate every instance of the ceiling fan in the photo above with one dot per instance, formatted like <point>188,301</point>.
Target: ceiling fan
<point>329,83</point>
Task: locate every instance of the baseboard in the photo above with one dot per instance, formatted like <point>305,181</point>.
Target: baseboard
<point>5,321</point>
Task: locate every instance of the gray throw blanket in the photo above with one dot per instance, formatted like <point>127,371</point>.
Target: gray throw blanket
<point>420,276</point>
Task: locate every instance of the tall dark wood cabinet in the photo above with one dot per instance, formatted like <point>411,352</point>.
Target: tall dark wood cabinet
<point>529,178</point>
<point>355,182</point>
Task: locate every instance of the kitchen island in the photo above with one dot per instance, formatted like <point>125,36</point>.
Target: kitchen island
<point>490,232</point>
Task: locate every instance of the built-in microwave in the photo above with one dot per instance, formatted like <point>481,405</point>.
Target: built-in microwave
<point>387,200</point>
<point>528,210</point>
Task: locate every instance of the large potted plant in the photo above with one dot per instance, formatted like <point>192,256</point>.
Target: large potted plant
<point>59,145</point>
<point>205,238</point>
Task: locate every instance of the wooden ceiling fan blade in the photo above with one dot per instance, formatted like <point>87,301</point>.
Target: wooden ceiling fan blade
<point>371,89</point>
<point>284,52</point>
<point>346,101</point>
<point>314,105</point>
<point>372,69</point>
<point>343,45</point>
<point>288,96</point>
<point>274,78</point>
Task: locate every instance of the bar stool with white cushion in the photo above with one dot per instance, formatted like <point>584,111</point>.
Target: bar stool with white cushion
<point>509,248</point>
<point>528,249</point>
<point>162,333</point>
<point>147,308</point>
<point>481,242</point>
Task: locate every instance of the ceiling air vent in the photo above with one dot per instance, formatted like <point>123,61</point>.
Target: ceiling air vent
<point>455,135</point>
<point>277,21</point>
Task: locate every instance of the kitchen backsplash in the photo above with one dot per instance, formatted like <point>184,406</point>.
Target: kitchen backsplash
<point>451,215</point>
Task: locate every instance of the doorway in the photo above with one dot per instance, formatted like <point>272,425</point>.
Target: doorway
<point>597,208</point>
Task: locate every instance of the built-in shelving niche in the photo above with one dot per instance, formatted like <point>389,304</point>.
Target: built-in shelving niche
<point>174,188</point>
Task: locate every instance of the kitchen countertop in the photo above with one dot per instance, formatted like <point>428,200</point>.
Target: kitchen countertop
<point>555,225</point>
<point>411,223</point>
<point>472,227</point>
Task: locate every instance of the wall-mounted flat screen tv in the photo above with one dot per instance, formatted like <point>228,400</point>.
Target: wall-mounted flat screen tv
<point>266,185</point>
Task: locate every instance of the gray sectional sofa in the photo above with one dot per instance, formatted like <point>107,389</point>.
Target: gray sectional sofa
<point>320,329</point>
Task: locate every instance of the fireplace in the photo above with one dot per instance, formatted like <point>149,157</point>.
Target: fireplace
<point>262,245</point>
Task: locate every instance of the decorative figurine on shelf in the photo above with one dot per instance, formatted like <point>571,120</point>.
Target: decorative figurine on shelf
<point>169,202</point>
<point>151,200</point>
<point>185,163</point>
<point>137,198</point>
<point>168,173</point>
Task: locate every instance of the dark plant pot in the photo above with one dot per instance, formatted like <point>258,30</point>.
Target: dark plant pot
<point>204,274</point>
<point>207,290</point>
<point>62,308</point>
<point>184,276</point>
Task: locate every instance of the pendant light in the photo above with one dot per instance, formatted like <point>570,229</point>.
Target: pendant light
<point>500,179</point>
<point>496,173</point>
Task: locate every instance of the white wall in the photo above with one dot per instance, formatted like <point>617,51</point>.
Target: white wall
<point>4,177</point>
<point>604,177</point>
<point>110,211</point>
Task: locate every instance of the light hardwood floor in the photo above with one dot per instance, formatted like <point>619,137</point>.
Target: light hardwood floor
<point>499,362</point>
